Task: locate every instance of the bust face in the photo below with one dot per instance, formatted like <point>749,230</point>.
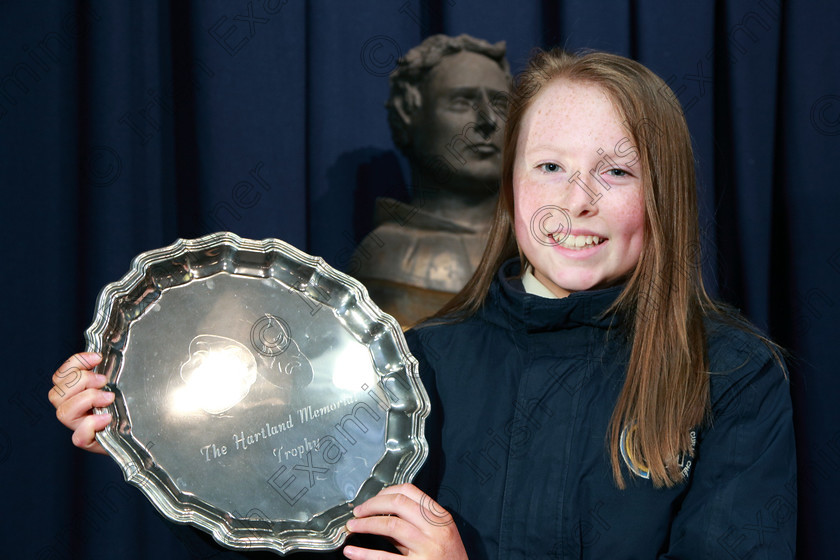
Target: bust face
<point>457,122</point>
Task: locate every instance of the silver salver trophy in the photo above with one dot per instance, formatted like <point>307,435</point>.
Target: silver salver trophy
<point>260,394</point>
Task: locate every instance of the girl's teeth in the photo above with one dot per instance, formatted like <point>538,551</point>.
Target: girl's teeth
<point>579,241</point>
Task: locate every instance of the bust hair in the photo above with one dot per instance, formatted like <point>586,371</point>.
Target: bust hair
<point>413,68</point>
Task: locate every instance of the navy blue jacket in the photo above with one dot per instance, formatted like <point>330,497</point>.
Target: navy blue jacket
<point>522,394</point>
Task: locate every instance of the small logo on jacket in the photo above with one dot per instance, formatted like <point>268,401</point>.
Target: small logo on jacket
<point>684,460</point>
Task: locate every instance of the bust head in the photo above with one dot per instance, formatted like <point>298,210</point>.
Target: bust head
<point>447,108</point>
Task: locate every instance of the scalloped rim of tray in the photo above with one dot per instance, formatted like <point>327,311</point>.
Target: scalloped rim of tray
<point>136,463</point>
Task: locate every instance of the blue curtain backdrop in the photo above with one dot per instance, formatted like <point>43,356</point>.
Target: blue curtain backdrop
<point>124,126</point>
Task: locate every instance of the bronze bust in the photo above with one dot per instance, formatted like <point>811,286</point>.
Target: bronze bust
<point>446,111</point>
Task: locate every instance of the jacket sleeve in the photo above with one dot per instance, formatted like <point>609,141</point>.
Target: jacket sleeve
<point>741,499</point>
<point>428,478</point>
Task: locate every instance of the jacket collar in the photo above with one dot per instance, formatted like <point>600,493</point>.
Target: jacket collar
<point>510,306</point>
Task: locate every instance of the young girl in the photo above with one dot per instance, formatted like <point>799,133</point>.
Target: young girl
<point>589,400</point>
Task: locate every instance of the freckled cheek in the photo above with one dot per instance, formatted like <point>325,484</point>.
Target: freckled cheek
<point>629,221</point>
<point>528,189</point>
<point>525,205</point>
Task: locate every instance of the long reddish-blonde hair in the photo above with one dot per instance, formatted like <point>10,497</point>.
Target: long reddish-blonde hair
<point>666,391</point>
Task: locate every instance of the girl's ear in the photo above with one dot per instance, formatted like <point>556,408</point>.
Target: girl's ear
<point>408,104</point>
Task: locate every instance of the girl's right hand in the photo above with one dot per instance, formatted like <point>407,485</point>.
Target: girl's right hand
<point>76,391</point>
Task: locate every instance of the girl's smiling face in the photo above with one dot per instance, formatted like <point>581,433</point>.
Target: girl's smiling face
<point>577,187</point>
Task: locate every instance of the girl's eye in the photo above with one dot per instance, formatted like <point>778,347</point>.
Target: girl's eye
<point>617,173</point>
<point>549,167</point>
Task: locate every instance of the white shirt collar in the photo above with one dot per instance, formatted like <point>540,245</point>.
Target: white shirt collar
<point>534,286</point>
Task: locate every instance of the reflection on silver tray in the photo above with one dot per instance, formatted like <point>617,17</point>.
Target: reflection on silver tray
<point>260,394</point>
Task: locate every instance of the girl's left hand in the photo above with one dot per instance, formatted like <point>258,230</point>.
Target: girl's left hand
<point>413,522</point>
